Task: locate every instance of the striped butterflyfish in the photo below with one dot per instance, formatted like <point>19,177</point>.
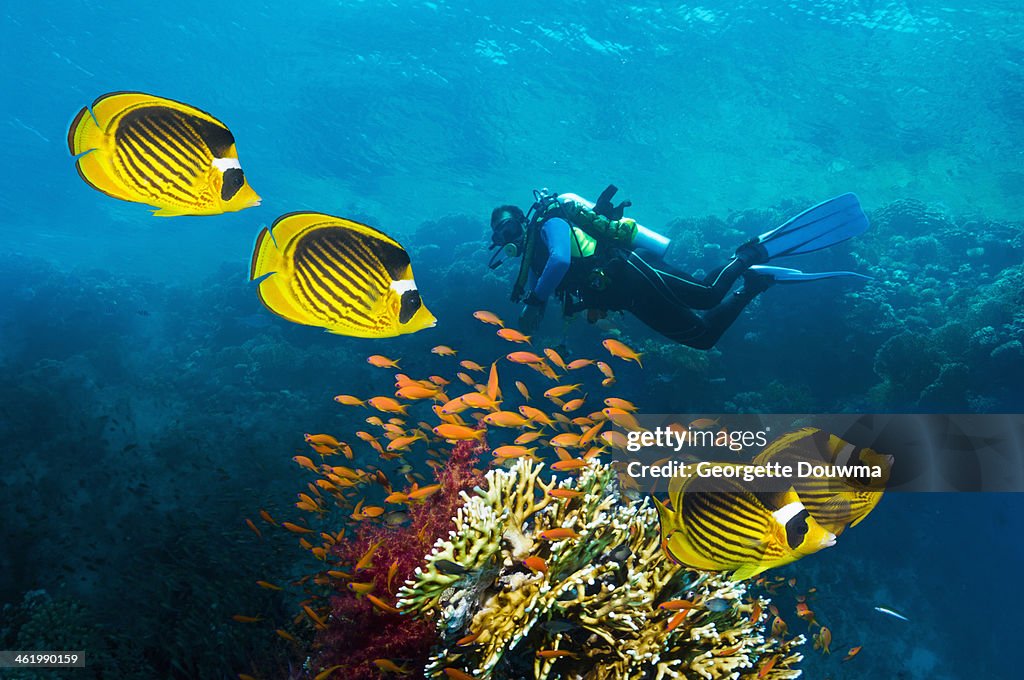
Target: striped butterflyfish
<point>842,498</point>
<point>172,156</point>
<point>346,277</point>
<point>720,524</point>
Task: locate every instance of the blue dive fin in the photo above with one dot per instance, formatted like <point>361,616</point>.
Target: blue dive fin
<point>786,275</point>
<point>824,225</point>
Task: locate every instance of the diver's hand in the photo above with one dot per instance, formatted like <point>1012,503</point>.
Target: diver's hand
<point>533,312</point>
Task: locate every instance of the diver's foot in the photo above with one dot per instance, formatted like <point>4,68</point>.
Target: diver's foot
<point>752,252</point>
<point>755,283</point>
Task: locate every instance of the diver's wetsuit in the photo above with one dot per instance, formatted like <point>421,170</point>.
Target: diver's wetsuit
<point>659,295</point>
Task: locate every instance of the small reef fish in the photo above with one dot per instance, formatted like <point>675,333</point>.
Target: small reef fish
<point>471,366</point>
<point>889,612</point>
<point>555,358</point>
<point>607,371</point>
<point>621,350</point>
<point>444,351</point>
<point>456,674</point>
<point>506,419</point>
<point>676,605</point>
<point>468,640</point>
<point>488,317</point>
<point>577,364</point>
<point>509,451</point>
<point>823,639</point>
<point>513,335</point>
<point>535,563</point>
<point>389,666</point>
<point>343,276</point>
<point>561,390</point>
<point>717,524</point>
<point>424,492</point>
<point>854,651</point>
<point>381,604</point>
<point>558,534</point>
<point>381,361</point>
<point>326,673</point>
<point>528,358</point>
<point>449,567</point>
<point>348,400</point>
<point>677,619</point>
<point>565,494</point>
<point>164,153</point>
<point>570,464</point>
<point>522,390</point>
<point>615,402</point>
<point>325,439</point>
<point>242,618</point>
<point>554,653</point>
<point>387,405</point>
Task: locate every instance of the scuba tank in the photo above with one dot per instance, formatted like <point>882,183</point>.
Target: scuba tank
<point>604,222</point>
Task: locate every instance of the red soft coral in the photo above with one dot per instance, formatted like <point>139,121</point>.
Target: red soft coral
<point>358,631</point>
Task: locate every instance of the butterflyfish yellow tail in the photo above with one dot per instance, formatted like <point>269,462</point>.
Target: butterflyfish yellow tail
<point>272,289</point>
<point>86,140</point>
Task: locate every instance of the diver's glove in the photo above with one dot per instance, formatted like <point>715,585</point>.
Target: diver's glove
<point>529,320</point>
<point>752,252</point>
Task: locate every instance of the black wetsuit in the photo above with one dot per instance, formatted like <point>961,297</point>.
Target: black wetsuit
<point>665,298</point>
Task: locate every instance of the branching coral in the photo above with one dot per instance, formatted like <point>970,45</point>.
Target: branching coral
<point>585,604</point>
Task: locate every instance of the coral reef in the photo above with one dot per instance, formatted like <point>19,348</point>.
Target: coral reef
<point>570,586</point>
<point>358,631</point>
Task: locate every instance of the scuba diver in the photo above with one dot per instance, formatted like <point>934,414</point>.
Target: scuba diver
<point>592,258</point>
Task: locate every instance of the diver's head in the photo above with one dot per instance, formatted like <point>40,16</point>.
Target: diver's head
<point>508,232</point>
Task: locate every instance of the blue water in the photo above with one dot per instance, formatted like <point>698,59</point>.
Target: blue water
<point>150,403</point>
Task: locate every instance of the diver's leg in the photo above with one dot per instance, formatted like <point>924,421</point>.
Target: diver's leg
<point>683,289</point>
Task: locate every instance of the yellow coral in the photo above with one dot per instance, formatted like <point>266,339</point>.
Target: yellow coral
<point>594,611</point>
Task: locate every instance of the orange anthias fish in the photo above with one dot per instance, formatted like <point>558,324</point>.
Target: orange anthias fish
<point>823,639</point>
<point>443,351</point>
<point>524,358</point>
<point>522,390</point>
<point>615,402</point>
<point>558,534</point>
<point>513,335</point>
<point>506,419</point>
<point>349,400</point>
<point>510,451</point>
<point>676,605</point>
<point>621,350</point>
<point>577,364</point>
<point>535,563</point>
<point>573,405</point>
<point>554,653</point>
<point>381,604</point>
<point>389,666</point>
<point>322,439</point>
<point>768,666</point>
<point>424,492</point>
<point>455,673</point>
<point>381,361</point>
<point>804,612</point>
<point>606,370</point>
<point>555,358</point>
<point>471,366</point>
<point>493,389</point>
<point>458,432</point>
<point>488,317</point>
<point>387,405</point>
<point>571,464</point>
<point>561,390</point>
<point>565,493</point>
<point>854,651</point>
